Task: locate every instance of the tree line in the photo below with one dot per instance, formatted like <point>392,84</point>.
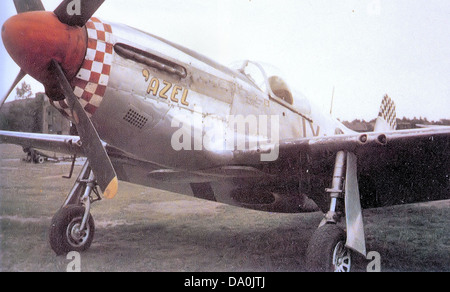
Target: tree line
<point>404,123</point>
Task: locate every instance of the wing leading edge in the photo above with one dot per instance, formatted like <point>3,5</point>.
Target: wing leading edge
<point>70,145</point>
<point>362,144</point>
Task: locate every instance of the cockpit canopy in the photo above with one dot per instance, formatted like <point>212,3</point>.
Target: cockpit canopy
<point>281,89</point>
<point>268,79</point>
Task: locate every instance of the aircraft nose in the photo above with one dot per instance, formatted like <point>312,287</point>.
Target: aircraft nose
<point>33,39</point>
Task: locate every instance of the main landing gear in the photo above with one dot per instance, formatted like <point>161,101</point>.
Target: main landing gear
<point>330,248</point>
<point>72,228</point>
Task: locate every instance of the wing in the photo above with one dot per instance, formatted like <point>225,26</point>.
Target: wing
<point>70,145</point>
<point>394,167</point>
<point>362,144</point>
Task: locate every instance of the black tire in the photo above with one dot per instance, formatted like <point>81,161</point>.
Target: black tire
<point>40,160</point>
<point>62,230</point>
<point>325,243</point>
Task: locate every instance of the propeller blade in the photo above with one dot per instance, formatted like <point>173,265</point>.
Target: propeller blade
<point>77,13</point>
<point>28,5</point>
<point>91,144</point>
<point>18,79</point>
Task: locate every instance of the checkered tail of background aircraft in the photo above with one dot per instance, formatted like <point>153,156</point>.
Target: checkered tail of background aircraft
<point>387,117</point>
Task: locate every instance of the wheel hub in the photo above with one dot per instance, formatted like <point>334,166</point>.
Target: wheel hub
<point>77,237</point>
<point>341,258</point>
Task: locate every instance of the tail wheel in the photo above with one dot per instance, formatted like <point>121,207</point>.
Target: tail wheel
<point>327,251</point>
<point>65,233</point>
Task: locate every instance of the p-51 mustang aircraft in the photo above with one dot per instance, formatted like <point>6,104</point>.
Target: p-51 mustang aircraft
<point>154,113</point>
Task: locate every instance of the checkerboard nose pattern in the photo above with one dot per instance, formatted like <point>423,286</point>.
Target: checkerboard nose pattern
<point>91,81</point>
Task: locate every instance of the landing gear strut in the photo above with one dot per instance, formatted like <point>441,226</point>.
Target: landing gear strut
<point>330,248</point>
<point>72,227</point>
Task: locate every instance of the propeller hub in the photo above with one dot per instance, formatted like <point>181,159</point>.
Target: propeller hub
<point>33,39</point>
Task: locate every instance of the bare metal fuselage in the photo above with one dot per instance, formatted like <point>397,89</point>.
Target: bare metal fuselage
<point>211,91</point>
<point>155,87</point>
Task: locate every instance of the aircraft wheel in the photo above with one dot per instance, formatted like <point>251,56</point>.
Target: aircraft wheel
<point>65,234</point>
<point>327,252</point>
<point>40,160</point>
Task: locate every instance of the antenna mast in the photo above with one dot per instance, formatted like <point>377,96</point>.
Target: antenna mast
<point>332,101</point>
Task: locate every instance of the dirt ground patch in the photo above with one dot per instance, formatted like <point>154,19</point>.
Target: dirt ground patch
<point>181,207</point>
<point>145,229</point>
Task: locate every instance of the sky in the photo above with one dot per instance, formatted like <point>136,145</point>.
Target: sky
<point>363,49</point>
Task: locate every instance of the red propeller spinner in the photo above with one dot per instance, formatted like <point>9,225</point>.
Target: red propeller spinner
<point>34,39</point>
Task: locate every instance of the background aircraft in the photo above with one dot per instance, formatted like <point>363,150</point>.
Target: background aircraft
<point>151,112</point>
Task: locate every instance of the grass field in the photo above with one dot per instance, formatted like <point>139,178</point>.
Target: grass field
<point>144,229</point>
